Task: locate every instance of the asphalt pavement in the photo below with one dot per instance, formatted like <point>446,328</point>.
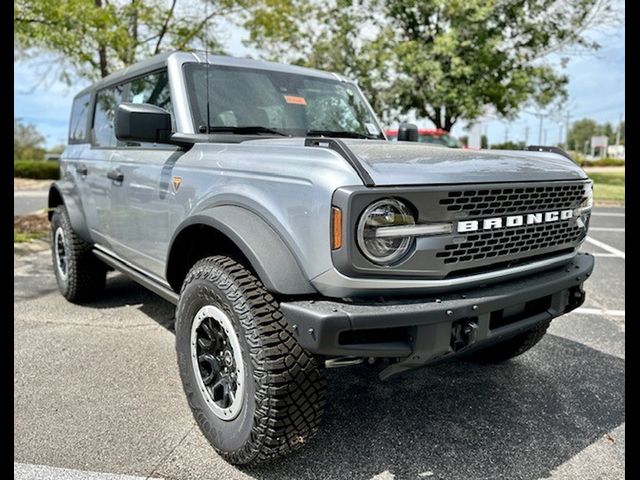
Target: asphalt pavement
<point>98,396</point>
<point>30,200</point>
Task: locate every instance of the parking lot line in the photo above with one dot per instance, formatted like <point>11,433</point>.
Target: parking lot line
<point>604,246</point>
<point>599,311</point>
<point>610,255</point>
<point>607,214</point>
<point>28,471</point>
<point>605,229</point>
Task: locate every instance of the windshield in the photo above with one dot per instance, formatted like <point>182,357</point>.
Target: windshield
<point>444,139</point>
<point>276,102</point>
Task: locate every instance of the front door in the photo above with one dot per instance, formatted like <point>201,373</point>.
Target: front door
<point>142,209</point>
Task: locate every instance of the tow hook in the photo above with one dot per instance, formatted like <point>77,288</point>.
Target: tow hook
<point>463,333</point>
<point>342,362</point>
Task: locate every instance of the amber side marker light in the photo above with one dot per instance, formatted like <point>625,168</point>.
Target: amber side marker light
<point>336,228</point>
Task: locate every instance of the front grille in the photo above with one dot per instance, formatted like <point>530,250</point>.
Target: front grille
<point>497,201</point>
<point>513,241</point>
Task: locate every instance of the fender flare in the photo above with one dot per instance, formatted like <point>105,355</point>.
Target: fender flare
<point>66,193</point>
<point>266,251</point>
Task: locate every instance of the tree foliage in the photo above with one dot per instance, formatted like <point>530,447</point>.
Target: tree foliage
<point>92,38</point>
<point>440,59</point>
<point>28,142</point>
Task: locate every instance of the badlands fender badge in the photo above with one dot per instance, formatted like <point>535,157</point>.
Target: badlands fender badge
<point>176,182</point>
<point>513,221</point>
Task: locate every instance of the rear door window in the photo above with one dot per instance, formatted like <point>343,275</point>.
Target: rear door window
<point>79,119</point>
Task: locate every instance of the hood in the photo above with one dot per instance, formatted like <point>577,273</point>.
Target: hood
<point>409,163</point>
<point>392,163</point>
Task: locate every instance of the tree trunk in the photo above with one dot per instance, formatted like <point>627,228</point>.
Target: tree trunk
<point>102,50</point>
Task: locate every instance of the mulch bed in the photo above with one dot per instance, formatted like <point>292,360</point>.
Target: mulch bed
<point>37,222</point>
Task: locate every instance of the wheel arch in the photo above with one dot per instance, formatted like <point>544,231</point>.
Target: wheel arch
<point>239,233</point>
<point>60,194</point>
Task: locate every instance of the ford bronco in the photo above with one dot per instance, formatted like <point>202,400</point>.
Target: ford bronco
<point>266,203</point>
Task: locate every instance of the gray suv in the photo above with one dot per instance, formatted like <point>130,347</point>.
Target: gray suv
<point>266,203</point>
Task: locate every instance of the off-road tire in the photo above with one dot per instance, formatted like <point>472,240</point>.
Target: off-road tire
<point>512,347</point>
<point>284,394</point>
<point>85,274</point>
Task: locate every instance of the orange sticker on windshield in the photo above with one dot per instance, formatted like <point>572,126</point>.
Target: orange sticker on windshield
<point>295,100</point>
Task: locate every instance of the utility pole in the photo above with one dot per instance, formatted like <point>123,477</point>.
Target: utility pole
<point>560,134</point>
<point>526,135</point>
<point>506,133</point>
<point>566,131</point>
<point>540,130</point>
<point>545,137</point>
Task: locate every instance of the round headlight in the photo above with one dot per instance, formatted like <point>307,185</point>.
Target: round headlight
<point>384,213</point>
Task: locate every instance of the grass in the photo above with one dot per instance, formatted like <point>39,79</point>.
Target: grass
<point>22,237</point>
<point>608,187</point>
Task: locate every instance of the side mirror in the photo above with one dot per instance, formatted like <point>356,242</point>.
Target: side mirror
<point>407,132</point>
<point>142,122</point>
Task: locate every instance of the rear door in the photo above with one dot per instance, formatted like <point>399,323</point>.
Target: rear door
<point>142,209</point>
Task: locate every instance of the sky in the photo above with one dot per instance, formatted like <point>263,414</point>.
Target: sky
<point>596,90</point>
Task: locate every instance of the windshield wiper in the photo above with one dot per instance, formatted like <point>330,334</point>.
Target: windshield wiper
<point>339,133</point>
<point>241,130</point>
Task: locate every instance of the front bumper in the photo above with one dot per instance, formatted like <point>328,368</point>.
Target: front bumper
<point>421,330</point>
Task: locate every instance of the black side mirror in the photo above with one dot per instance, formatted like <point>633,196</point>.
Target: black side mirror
<point>407,132</point>
<point>142,122</point>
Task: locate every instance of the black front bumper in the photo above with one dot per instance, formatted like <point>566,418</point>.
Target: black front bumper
<point>429,328</point>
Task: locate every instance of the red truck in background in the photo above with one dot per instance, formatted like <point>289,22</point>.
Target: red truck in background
<point>436,136</point>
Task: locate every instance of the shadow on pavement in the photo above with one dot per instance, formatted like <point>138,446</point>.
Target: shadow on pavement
<point>518,420</point>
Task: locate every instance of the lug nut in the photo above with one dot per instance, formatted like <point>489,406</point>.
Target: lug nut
<point>438,300</point>
<point>475,307</point>
<point>449,312</point>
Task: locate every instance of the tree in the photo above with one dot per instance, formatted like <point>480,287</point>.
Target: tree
<point>28,143</point>
<point>92,38</point>
<point>581,132</point>
<point>441,59</point>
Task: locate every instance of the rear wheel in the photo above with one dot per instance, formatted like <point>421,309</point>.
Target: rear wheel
<point>254,392</point>
<point>79,274</point>
<point>512,347</point>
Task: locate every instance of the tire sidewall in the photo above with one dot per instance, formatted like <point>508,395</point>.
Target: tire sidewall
<point>58,221</point>
<point>225,436</point>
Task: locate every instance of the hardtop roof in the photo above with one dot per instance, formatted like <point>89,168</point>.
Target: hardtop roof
<point>158,61</point>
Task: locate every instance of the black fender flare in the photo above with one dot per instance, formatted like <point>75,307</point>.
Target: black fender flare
<point>266,251</point>
<point>66,193</point>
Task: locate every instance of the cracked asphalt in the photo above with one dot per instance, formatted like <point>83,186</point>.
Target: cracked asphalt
<point>97,396</point>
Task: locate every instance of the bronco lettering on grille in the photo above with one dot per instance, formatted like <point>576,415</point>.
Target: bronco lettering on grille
<point>495,223</point>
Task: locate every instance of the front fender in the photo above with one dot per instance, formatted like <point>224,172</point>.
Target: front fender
<point>66,193</point>
<point>268,254</point>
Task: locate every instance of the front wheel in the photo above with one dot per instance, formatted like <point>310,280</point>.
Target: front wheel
<point>254,392</point>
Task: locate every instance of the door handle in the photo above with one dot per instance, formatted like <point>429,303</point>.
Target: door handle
<point>115,175</point>
<point>82,170</point>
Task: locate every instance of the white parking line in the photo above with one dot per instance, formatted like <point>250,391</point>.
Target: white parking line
<point>610,255</point>
<point>607,214</point>
<point>604,246</point>
<point>599,311</point>
<point>605,229</point>
<point>27,471</point>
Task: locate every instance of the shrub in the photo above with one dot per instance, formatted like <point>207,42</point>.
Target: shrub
<point>41,170</point>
